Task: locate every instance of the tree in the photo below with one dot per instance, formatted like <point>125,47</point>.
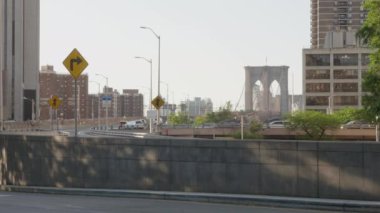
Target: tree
<point>179,118</point>
<point>349,113</point>
<point>255,128</point>
<point>370,34</point>
<point>313,123</point>
<point>224,113</point>
<point>199,120</point>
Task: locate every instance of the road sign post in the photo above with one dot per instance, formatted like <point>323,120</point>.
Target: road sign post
<point>56,117</point>
<point>75,64</point>
<point>54,103</point>
<point>76,108</point>
<point>158,102</point>
<point>107,101</point>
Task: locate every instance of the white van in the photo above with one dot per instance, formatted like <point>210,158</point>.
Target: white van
<point>278,124</point>
<point>136,124</point>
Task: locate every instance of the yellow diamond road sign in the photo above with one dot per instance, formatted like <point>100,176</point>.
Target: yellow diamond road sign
<point>75,63</point>
<point>157,102</point>
<point>54,102</point>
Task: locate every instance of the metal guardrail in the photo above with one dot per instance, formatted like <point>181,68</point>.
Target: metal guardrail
<point>118,133</point>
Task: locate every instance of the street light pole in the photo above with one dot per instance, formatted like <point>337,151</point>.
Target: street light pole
<point>33,111</point>
<point>167,91</point>
<point>150,95</point>
<point>107,98</point>
<point>159,61</point>
<point>165,111</point>
<point>98,102</point>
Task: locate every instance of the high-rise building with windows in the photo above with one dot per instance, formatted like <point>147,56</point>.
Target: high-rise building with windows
<point>345,16</point>
<point>333,78</point>
<point>333,68</point>
<point>197,107</point>
<point>63,86</point>
<point>19,54</point>
<point>131,103</point>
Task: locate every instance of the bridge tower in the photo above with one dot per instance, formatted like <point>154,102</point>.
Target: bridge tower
<point>266,75</point>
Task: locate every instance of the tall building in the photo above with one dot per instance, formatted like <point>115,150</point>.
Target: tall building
<point>167,109</point>
<point>63,86</point>
<point>344,16</point>
<point>333,78</point>
<point>19,64</point>
<point>197,106</point>
<point>131,103</point>
<point>333,68</point>
<point>113,104</point>
<point>92,106</point>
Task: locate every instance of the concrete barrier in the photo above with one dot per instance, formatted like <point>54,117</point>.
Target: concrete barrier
<point>274,133</point>
<point>342,170</point>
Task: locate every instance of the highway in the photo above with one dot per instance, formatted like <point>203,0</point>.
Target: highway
<point>12,202</point>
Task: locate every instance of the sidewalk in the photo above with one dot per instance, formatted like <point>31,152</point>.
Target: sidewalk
<point>258,200</point>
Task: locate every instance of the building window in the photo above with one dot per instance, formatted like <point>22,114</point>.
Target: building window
<point>318,87</point>
<point>345,87</point>
<point>317,101</point>
<point>346,100</point>
<point>345,74</point>
<point>365,59</point>
<point>317,74</point>
<point>345,59</point>
<point>317,60</point>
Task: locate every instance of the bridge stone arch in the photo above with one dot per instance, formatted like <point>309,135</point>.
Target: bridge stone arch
<point>266,75</point>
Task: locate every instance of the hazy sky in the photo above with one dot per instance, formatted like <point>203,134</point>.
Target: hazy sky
<point>205,44</point>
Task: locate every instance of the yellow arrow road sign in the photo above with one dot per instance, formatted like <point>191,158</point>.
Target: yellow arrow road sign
<point>158,102</point>
<point>75,63</point>
<point>54,102</point>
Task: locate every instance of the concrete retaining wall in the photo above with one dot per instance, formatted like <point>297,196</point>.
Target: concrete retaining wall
<point>348,170</point>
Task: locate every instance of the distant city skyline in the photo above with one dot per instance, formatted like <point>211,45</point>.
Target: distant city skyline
<point>205,44</point>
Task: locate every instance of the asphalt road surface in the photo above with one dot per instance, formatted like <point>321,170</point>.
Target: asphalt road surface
<point>11,202</point>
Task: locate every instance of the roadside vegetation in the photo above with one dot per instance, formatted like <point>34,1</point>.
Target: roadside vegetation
<point>213,118</point>
<point>369,34</point>
<point>254,131</point>
<point>315,124</point>
<point>224,113</point>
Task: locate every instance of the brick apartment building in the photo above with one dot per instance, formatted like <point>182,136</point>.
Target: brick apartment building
<point>62,85</point>
<point>95,99</point>
<point>327,16</point>
<point>128,104</point>
<point>131,103</point>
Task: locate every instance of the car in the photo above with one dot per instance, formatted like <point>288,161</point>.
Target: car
<point>207,125</point>
<point>135,124</point>
<point>358,124</point>
<point>63,133</point>
<point>277,124</point>
<point>140,124</point>
<point>229,123</point>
